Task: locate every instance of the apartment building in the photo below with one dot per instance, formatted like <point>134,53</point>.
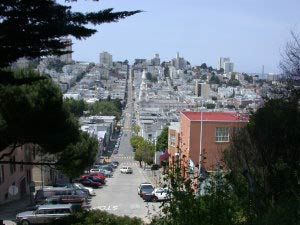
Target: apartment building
<point>202,138</point>
<point>15,178</point>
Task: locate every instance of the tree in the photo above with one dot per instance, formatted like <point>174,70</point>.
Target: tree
<point>135,129</point>
<point>265,160</point>
<point>106,107</point>
<point>77,107</point>
<point>79,155</point>
<point>34,113</point>
<point>290,65</point>
<point>162,140</point>
<point>33,28</point>
<point>203,66</point>
<point>214,79</point>
<point>149,76</point>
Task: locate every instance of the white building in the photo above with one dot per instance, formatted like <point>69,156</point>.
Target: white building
<point>228,67</point>
<point>221,62</point>
<point>106,59</point>
<point>202,89</point>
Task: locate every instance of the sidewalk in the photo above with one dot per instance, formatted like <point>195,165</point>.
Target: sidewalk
<point>9,210</point>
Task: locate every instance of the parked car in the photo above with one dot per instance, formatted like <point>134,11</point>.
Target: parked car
<point>95,179</point>
<point>44,214</point>
<point>106,173</point>
<point>90,190</point>
<point>145,188</point>
<point>77,185</point>
<point>68,195</point>
<point>126,169</point>
<point>159,194</point>
<point>89,183</point>
<point>97,174</point>
<point>115,152</point>
<point>115,163</point>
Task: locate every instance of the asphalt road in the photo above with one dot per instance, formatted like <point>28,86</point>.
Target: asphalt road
<point>120,196</point>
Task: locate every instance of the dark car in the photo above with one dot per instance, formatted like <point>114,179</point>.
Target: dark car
<point>115,163</point>
<point>145,188</point>
<point>96,179</point>
<point>89,183</point>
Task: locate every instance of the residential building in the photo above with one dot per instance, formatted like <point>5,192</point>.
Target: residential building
<point>228,67</point>
<point>106,59</point>
<point>202,139</point>
<point>156,60</point>
<point>202,90</point>
<point>15,178</point>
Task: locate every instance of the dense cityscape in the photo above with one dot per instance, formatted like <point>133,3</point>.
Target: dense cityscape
<point>145,142</point>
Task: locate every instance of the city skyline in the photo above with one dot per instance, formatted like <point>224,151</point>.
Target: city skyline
<point>250,33</point>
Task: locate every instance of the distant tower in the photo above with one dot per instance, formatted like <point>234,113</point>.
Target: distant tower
<point>67,58</point>
<point>106,59</point>
<point>262,72</point>
<point>143,87</point>
<point>221,62</point>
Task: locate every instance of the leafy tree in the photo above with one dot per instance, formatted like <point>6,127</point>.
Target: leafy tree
<point>204,77</point>
<point>220,71</point>
<point>97,217</point>
<point>136,141</point>
<point>106,107</point>
<point>135,129</point>
<point>82,154</point>
<point>162,140</point>
<point>149,76</point>
<point>265,162</point>
<point>248,78</point>
<point>203,66</point>
<point>233,82</point>
<point>210,105</point>
<point>34,113</point>
<point>77,107</point>
<point>214,79</point>
<point>33,28</point>
<point>216,205</point>
<point>210,69</point>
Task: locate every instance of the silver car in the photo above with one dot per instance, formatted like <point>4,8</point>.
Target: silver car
<point>44,214</point>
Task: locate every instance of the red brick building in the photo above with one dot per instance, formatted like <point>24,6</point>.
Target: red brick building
<point>202,137</point>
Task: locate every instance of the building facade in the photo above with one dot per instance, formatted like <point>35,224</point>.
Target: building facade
<point>106,59</point>
<point>15,178</point>
<point>228,67</point>
<point>202,138</point>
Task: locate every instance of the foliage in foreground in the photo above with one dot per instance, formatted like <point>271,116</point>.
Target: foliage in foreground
<point>262,184</point>
<point>97,217</point>
<point>34,113</point>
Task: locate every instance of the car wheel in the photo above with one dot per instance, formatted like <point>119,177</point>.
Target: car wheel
<point>154,199</point>
<point>25,222</point>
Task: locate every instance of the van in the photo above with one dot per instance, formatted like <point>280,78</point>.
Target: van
<point>66,195</point>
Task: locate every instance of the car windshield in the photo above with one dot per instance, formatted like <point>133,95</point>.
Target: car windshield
<point>147,187</point>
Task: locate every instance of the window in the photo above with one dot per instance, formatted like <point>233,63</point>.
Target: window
<point>172,139</point>
<point>1,174</point>
<point>222,134</point>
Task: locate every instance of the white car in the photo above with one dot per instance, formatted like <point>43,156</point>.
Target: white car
<point>89,189</point>
<point>160,194</point>
<point>126,169</point>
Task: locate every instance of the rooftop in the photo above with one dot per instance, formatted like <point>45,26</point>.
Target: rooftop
<point>217,116</point>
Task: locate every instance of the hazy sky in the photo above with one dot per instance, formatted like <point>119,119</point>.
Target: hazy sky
<point>251,32</point>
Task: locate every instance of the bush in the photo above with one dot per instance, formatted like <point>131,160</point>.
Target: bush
<point>97,217</point>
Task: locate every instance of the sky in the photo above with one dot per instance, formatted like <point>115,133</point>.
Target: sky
<point>251,33</point>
